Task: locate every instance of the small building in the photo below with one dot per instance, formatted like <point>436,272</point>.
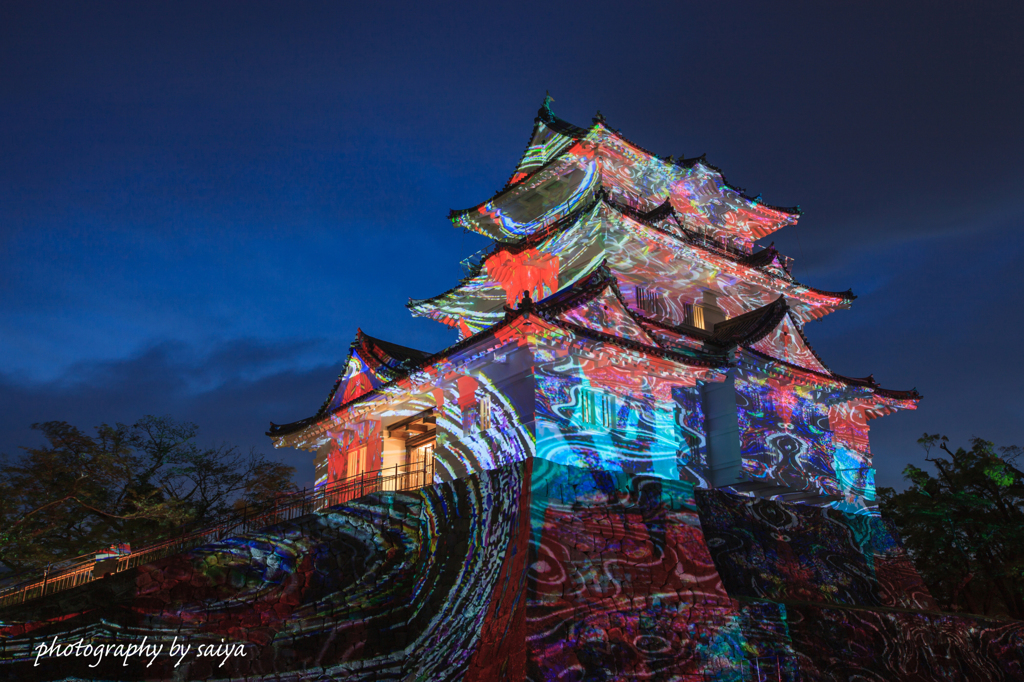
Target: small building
<point>624,320</point>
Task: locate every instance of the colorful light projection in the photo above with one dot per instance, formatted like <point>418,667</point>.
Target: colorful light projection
<point>538,200</point>
<point>533,572</point>
<point>785,437</point>
<point>639,254</point>
<point>606,312</point>
<point>482,415</point>
<point>788,344</point>
<point>767,550</point>
<point>353,450</point>
<point>600,157</point>
<point>545,144</point>
<point>529,270</point>
<point>605,408</point>
<point>371,363</point>
<point>480,426</point>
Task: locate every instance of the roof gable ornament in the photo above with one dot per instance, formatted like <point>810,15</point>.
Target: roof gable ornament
<point>526,304</point>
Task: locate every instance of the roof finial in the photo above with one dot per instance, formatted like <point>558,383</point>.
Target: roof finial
<point>545,109</point>
<point>598,117</point>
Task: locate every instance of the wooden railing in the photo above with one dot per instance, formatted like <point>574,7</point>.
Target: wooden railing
<point>80,570</point>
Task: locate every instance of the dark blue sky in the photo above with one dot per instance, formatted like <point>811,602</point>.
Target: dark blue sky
<point>199,203</point>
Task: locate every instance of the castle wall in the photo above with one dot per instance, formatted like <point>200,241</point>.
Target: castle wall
<point>790,436</point>
<point>485,414</point>
<point>784,434</point>
<point>603,409</point>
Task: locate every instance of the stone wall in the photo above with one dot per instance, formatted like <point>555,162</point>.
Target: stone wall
<point>532,571</point>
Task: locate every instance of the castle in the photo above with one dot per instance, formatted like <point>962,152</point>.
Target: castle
<point>623,320</point>
<point>631,466</point>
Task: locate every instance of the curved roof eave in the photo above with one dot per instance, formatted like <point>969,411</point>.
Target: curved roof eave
<point>279,430</point>
<point>600,278</point>
<point>602,196</point>
<point>579,133</point>
<point>516,247</point>
<point>379,350</point>
<point>868,383</point>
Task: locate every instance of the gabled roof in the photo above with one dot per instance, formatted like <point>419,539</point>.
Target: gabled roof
<point>591,289</point>
<point>662,219</point>
<point>402,354</point>
<point>750,327</point>
<point>550,137</point>
<point>548,310</point>
<point>769,260</point>
<point>760,260</point>
<point>548,117</point>
<point>573,143</point>
<point>371,362</point>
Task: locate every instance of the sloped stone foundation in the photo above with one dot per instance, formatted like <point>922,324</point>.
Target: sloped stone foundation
<point>533,571</point>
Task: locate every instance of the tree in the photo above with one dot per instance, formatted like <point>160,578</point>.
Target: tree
<point>136,484</point>
<point>964,526</point>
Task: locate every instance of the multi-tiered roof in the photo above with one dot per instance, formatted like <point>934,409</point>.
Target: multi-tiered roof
<point>581,196</point>
<point>596,237</point>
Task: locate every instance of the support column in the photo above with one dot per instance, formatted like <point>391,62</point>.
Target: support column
<point>725,463</point>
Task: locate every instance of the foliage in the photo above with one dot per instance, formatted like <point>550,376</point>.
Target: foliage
<point>964,526</point>
<point>134,484</point>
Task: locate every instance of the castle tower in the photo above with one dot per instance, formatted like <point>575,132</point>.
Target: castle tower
<point>621,320</point>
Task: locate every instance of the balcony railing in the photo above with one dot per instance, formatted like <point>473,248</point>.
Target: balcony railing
<point>80,570</point>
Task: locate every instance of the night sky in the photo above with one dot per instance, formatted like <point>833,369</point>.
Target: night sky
<point>200,203</point>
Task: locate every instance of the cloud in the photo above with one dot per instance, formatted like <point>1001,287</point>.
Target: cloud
<point>232,391</point>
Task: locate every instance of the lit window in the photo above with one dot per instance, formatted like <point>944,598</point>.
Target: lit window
<point>485,413</point>
<point>649,301</point>
<point>597,409</point>
<point>698,317</point>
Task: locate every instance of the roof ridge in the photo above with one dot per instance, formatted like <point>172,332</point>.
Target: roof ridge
<point>602,195</point>
<point>370,343</point>
<point>546,116</point>
<point>391,348</point>
<point>683,162</point>
<point>912,394</point>
<point>631,212</point>
<point>285,429</point>
<point>671,354</point>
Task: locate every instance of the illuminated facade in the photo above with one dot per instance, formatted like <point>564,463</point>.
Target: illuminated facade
<point>576,490</point>
<point>622,320</point>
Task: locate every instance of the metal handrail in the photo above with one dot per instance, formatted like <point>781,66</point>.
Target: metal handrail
<point>284,507</point>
